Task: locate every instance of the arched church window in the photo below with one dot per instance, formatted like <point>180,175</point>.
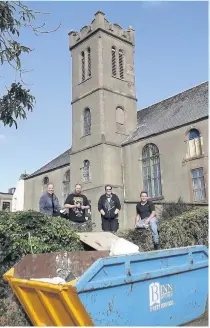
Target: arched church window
<point>45,182</point>
<point>151,170</point>
<point>194,143</point>
<point>87,121</point>
<point>86,171</point>
<point>114,70</point>
<point>121,64</point>
<point>89,62</point>
<point>193,134</point>
<point>66,185</point>
<point>83,65</point>
<point>120,119</point>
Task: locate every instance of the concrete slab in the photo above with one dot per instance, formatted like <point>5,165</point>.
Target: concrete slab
<point>101,241</point>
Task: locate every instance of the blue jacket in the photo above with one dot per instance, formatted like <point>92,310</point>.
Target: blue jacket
<point>46,205</point>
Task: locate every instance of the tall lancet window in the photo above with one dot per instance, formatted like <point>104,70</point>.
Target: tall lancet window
<point>87,121</point>
<point>86,171</point>
<point>151,170</point>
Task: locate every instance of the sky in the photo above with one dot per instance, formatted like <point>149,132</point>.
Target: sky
<point>171,55</point>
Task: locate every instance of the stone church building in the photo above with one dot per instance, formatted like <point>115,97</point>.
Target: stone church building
<point>162,149</point>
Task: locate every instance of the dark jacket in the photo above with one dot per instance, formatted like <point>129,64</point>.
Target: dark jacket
<point>109,207</point>
<point>48,203</point>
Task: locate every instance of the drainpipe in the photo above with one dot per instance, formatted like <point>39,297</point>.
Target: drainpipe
<point>123,181</point>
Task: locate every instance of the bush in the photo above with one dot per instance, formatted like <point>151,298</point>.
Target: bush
<point>11,313</point>
<point>22,233</point>
<point>190,228</point>
<point>175,208</point>
<point>85,227</point>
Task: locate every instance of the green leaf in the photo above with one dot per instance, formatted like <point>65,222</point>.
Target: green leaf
<point>15,15</point>
<point>15,103</point>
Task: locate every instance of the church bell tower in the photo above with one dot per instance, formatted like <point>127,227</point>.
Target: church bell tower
<point>103,107</point>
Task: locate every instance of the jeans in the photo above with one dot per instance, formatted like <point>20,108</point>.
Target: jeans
<point>154,227</point>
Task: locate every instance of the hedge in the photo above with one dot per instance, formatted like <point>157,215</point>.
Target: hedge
<point>22,233</point>
<point>187,229</point>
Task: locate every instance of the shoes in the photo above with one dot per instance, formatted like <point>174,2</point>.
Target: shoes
<point>156,246</point>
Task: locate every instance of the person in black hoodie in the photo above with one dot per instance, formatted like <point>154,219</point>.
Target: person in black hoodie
<point>109,207</point>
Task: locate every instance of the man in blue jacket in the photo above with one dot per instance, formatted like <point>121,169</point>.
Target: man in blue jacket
<point>49,204</point>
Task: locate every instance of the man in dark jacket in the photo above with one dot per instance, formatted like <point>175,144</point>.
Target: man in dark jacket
<point>109,207</point>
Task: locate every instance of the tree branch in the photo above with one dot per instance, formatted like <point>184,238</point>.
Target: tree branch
<point>14,16</point>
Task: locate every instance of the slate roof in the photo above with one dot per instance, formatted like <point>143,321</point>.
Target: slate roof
<point>183,108</point>
<point>60,161</point>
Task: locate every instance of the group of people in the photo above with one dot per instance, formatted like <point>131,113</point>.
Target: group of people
<point>108,206</point>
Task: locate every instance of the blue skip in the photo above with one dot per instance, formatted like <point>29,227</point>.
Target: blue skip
<point>162,288</point>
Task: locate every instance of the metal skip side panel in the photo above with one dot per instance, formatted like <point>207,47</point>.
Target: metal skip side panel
<point>164,288</point>
<point>58,264</point>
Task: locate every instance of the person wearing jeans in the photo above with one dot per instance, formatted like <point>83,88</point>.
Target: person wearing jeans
<point>146,217</point>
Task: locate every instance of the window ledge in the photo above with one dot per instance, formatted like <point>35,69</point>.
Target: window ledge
<point>193,158</point>
<point>89,134</point>
<point>118,78</point>
<point>122,133</point>
<point>153,199</point>
<point>85,80</point>
<point>200,202</point>
<point>86,182</point>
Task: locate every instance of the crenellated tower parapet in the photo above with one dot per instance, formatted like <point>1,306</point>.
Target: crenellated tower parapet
<point>101,23</point>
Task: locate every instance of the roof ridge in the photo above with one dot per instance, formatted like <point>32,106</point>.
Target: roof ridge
<point>185,107</point>
<point>177,94</point>
<point>34,173</point>
<point>54,158</point>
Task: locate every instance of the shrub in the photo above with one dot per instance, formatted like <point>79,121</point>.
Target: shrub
<point>187,229</point>
<point>85,227</point>
<point>175,208</point>
<point>22,233</point>
<point>11,313</point>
